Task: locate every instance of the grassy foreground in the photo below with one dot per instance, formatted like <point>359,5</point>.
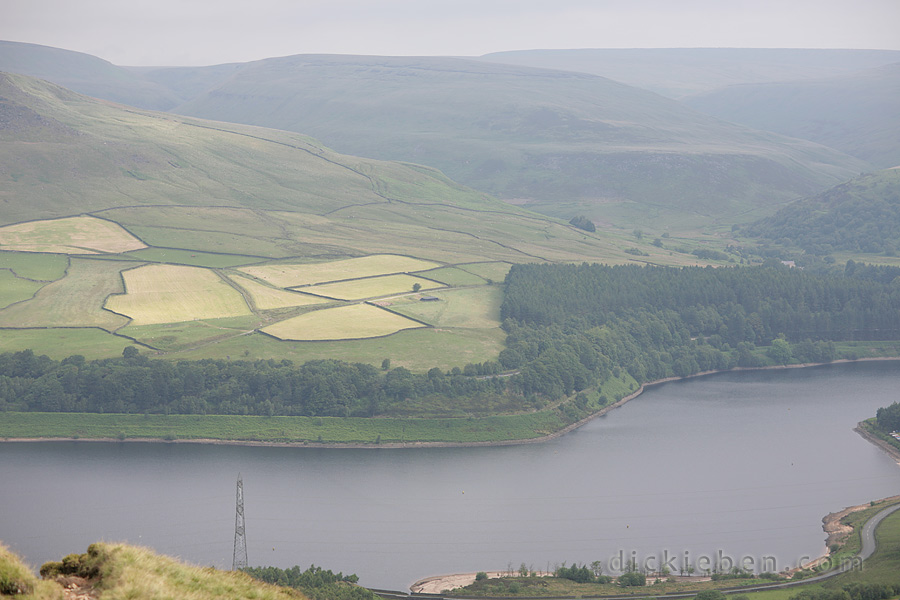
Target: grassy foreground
<point>119,572</point>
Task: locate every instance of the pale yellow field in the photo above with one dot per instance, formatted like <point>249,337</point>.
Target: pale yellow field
<point>287,275</point>
<point>172,294</point>
<point>373,287</point>
<point>342,323</point>
<point>265,297</point>
<point>72,235</point>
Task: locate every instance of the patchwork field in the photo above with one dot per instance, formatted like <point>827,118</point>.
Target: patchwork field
<point>295,275</point>
<point>371,287</point>
<point>471,308</point>
<point>39,267</point>
<point>265,297</point>
<point>72,235</point>
<point>15,289</point>
<point>341,323</point>
<point>76,300</point>
<point>172,293</point>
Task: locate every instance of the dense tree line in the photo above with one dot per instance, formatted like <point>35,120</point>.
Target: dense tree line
<point>570,327</point>
<point>136,384</point>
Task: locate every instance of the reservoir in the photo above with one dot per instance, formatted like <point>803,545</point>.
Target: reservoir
<point>734,465</point>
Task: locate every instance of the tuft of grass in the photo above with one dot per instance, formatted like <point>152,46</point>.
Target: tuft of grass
<point>18,581</point>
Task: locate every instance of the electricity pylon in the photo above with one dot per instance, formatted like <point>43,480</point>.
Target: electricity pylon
<point>240,540</point>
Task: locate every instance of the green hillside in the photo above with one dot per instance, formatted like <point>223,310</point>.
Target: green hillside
<point>861,216</point>
<point>121,226</point>
<point>561,143</point>
<point>680,72</point>
<point>855,113</point>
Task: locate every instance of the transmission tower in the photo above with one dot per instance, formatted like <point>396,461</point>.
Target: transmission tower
<point>240,540</point>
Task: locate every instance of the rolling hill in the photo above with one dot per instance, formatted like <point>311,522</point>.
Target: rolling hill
<point>680,72</point>
<point>121,226</point>
<point>856,113</point>
<point>561,143</point>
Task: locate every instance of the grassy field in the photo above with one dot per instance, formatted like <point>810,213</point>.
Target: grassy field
<point>495,271</point>
<point>76,300</point>
<point>187,257</point>
<point>279,429</point>
<point>176,337</point>
<point>211,242</point>
<point>416,349</point>
<point>342,323</point>
<point>371,287</point>
<point>474,308</point>
<point>60,342</point>
<point>73,235</point>
<point>15,289</point>
<point>453,276</point>
<point>39,267</point>
<point>295,275</point>
<point>171,294</point>
<point>265,297</point>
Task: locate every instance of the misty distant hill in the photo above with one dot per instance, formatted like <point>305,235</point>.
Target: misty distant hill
<point>84,74</point>
<point>563,143</point>
<point>679,72</point>
<point>857,113</point>
<point>862,215</point>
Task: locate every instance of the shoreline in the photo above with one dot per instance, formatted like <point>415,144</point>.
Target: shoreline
<point>396,445</point>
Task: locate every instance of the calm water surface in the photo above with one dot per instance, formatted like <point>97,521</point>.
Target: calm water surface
<point>745,464</point>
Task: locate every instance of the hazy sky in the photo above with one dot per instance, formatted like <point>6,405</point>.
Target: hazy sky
<point>202,32</point>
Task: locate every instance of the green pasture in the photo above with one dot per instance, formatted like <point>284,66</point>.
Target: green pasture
<point>340,323</point>
<point>177,337</point>
<point>15,289</point>
<point>295,275</point>
<point>58,343</point>
<point>76,300</point>
<point>278,429</point>
<point>371,287</point>
<point>416,349</point>
<point>187,257</point>
<point>477,308</point>
<point>40,267</point>
<point>211,242</point>
<point>495,271</point>
<point>453,276</point>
